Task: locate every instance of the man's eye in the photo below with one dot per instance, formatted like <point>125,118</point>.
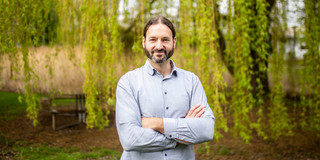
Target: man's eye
<point>152,40</point>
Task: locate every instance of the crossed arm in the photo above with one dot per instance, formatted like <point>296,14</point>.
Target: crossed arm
<point>156,123</point>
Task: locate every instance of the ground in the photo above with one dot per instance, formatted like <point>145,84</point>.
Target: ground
<point>301,146</point>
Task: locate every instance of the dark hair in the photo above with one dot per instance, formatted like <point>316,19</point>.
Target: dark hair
<point>161,20</point>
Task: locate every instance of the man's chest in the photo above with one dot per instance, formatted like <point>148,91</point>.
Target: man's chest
<point>169,98</point>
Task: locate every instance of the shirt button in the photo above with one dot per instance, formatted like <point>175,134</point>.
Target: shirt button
<point>165,154</point>
<point>170,136</point>
<point>165,92</point>
<point>167,108</point>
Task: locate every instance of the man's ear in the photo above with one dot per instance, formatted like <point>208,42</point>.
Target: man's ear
<point>143,42</point>
<point>174,42</point>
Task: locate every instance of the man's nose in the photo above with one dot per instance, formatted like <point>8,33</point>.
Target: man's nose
<point>159,45</point>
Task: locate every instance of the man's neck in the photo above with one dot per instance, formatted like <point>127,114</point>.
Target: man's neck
<point>163,68</point>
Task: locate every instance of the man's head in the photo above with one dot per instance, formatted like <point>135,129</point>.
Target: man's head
<point>159,39</point>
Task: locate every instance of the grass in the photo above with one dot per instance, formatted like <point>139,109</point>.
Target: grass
<point>55,153</point>
<point>225,151</point>
<point>206,151</point>
<point>10,106</point>
<point>63,102</point>
<point>3,140</point>
<point>221,150</point>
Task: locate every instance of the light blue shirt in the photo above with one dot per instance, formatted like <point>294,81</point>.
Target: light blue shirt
<point>144,92</point>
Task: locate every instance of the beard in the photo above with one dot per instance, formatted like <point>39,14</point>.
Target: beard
<point>152,57</point>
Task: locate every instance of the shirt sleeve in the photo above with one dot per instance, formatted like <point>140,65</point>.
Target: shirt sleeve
<point>128,121</point>
<point>193,130</point>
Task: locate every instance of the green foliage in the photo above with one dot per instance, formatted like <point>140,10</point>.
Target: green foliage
<point>310,104</point>
<point>23,28</point>
<point>210,68</point>
<point>69,18</point>
<point>242,99</point>
<point>260,46</point>
<point>50,21</point>
<point>102,49</point>
<point>188,37</point>
<point>279,120</point>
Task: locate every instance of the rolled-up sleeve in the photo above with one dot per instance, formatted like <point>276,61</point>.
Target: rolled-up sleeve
<point>193,130</point>
<point>128,121</point>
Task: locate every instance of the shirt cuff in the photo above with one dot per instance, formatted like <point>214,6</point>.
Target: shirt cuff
<point>170,126</point>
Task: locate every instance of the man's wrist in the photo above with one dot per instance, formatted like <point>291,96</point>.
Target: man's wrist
<point>154,123</point>
<point>159,125</point>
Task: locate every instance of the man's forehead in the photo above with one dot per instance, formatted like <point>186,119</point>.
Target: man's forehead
<point>159,30</point>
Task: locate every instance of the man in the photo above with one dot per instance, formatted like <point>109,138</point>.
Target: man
<point>158,111</point>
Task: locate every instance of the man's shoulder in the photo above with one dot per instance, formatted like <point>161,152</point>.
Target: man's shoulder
<point>186,74</point>
<point>132,74</point>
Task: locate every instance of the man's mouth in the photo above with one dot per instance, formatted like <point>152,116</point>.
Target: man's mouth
<point>158,51</point>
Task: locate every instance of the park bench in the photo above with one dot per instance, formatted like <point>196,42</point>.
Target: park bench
<point>78,110</point>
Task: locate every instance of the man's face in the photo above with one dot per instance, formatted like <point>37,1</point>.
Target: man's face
<point>158,43</point>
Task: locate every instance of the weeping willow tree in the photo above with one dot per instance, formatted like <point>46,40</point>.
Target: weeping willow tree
<point>310,102</point>
<point>254,31</point>
<point>247,51</point>
<point>248,41</point>
<point>102,47</point>
<point>188,37</point>
<point>199,42</point>
<point>23,27</point>
<point>242,99</point>
<point>244,47</point>
<point>279,121</point>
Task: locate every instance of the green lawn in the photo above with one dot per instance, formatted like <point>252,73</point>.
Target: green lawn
<point>63,102</point>
<point>10,106</point>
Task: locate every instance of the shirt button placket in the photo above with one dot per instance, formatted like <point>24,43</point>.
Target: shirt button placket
<point>165,97</point>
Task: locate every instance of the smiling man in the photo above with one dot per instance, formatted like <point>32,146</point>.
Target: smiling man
<point>161,110</point>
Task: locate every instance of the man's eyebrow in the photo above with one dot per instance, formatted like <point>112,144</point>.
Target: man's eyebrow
<point>158,37</point>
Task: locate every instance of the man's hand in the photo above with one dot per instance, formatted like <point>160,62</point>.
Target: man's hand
<point>196,111</point>
<point>154,123</point>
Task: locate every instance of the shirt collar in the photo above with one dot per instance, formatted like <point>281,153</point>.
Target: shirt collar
<point>152,71</point>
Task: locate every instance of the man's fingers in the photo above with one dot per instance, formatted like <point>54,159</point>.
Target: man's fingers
<point>200,114</point>
<point>192,110</point>
<point>196,111</point>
